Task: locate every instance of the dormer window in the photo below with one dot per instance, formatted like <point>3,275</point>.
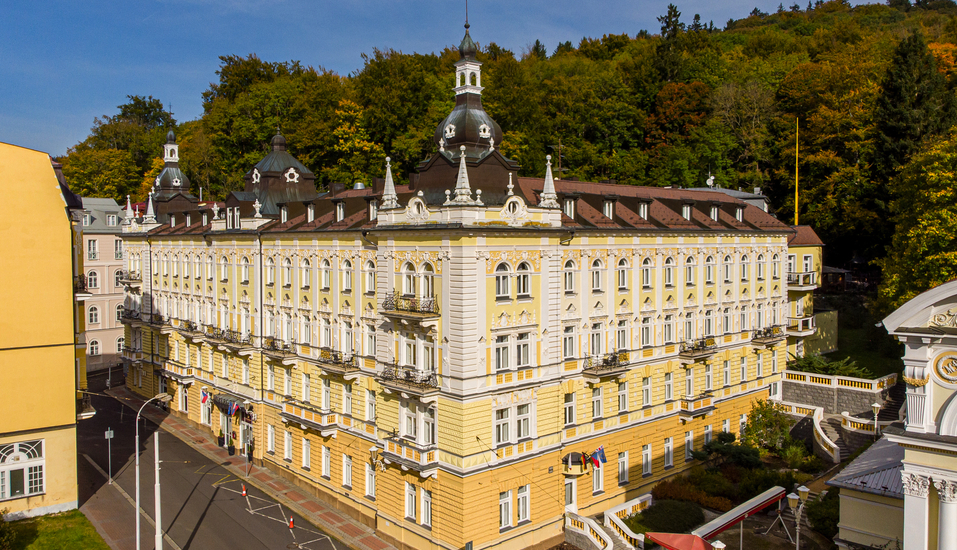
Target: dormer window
<point>340,211</point>
<point>172,221</point>
<point>236,224</point>
<point>373,210</point>
<point>643,210</point>
<point>686,211</point>
<point>284,214</point>
<point>310,212</point>
<point>569,208</point>
<point>608,209</point>
<point>714,212</point>
<point>739,213</point>
<point>205,218</point>
<point>188,220</point>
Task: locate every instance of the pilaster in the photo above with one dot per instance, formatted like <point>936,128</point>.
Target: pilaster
<point>916,509</point>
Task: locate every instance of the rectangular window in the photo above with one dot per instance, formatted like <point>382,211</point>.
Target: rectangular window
<point>760,366</point>
<point>568,343</point>
<point>502,290</point>
<point>669,452</point>
<point>501,427</point>
<point>426,508</point>
<point>570,208</point>
<point>646,460</point>
<point>708,379</point>
<point>225,367</point>
<point>370,340</point>
<point>522,504</point>
<point>623,468</point>
<point>744,369</point>
<point>774,362</point>
<point>622,397</point>
<point>646,392</point>
<point>645,332</point>
<point>410,501</point>
<point>370,480</point>
<point>621,336</point>
<point>207,409</point>
<point>522,422</point>
<point>306,452</point>
<point>522,348</point>
<point>287,446</point>
<point>742,425</point>
<point>504,509</point>
<point>598,479</point>
<point>347,399</point>
<point>596,403</point>
<point>411,421</point>
<point>270,438</point>
<point>689,382</point>
<point>707,434</point>
<point>726,425</point>
<point>245,370</point>
<point>669,387</point>
<point>326,394</point>
<point>370,406</point>
<point>326,460</point>
<point>429,420</point>
<point>669,329</point>
<point>501,352</point>
<point>306,387</point>
<point>727,373</point>
<point>608,209</point>
<point>597,339</point>
<point>689,445</point>
<point>287,381</point>
<point>569,409</point>
<point>346,470</point>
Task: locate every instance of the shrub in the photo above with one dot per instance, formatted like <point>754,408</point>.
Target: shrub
<point>813,464</point>
<point>668,516</point>
<point>6,532</point>
<point>817,364</point>
<point>825,513</point>
<point>768,426</point>
<point>713,483</point>
<point>681,489</point>
<point>794,455</point>
<point>755,482</point>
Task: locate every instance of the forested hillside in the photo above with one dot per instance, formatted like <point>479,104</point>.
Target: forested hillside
<point>871,89</point>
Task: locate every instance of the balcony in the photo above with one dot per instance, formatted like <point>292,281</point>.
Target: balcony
<point>277,349</point>
<point>605,366</point>
<point>409,455</point>
<point>801,326</point>
<point>92,255</point>
<point>310,416</point>
<point>406,379</point>
<point>132,354</point>
<point>692,407</point>
<point>117,254</point>
<point>803,280</point>
<point>178,371</point>
<point>338,362</point>
<point>80,291</point>
<point>697,350</point>
<point>130,278</point>
<point>410,307</point>
<point>768,336</point>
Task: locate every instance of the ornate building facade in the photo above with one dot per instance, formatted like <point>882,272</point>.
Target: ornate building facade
<point>436,357</point>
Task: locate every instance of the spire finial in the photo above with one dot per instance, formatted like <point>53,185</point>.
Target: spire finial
<point>150,215</point>
<point>549,196</point>
<point>463,191</point>
<point>389,197</point>
<point>466,15</point>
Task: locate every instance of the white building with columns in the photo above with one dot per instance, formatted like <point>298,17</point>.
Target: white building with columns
<point>922,450</point>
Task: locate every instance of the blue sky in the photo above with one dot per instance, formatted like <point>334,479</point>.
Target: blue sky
<point>64,63</point>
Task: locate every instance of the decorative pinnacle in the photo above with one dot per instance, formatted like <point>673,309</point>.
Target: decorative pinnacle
<point>549,196</point>
<point>389,197</point>
<point>463,192</point>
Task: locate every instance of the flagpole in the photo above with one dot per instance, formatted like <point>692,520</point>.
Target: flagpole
<point>797,130</point>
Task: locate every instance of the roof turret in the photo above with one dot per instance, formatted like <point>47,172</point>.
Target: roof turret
<point>468,47</point>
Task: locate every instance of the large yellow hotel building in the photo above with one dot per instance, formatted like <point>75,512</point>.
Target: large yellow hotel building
<point>434,357</point>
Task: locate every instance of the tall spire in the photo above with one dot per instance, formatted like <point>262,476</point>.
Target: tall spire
<point>129,208</point>
<point>549,197</point>
<point>150,215</point>
<point>463,192</point>
<point>389,198</point>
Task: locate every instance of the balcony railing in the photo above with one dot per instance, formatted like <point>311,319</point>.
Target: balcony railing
<point>420,458</point>
<point>130,276</point>
<point>768,335</point>
<point>158,319</point>
<point>701,347</point>
<point>696,406</point>
<point>338,360</point>
<point>131,314</point>
<point>410,304</point>
<point>117,254</point>
<point>92,255</point>
<point>277,346</point>
<point>801,325</point>
<point>411,376</point>
<point>802,278</point>
<point>79,285</point>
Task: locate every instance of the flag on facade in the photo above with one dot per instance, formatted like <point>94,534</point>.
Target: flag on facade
<point>600,452</point>
<point>204,397</point>
<point>585,459</point>
<point>595,460</point>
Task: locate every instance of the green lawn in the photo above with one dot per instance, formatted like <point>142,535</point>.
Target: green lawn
<point>858,337</point>
<point>56,532</point>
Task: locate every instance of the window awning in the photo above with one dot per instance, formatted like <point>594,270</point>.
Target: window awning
<point>738,513</point>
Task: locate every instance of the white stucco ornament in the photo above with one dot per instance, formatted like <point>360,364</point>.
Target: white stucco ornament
<point>292,176</point>
<point>256,175</point>
<point>176,182</point>
<point>485,131</point>
<point>450,131</point>
<point>215,211</point>
<point>258,206</point>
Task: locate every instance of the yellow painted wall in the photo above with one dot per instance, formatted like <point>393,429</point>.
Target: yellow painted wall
<point>870,519</point>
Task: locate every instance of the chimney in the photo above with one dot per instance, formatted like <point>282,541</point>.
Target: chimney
<point>757,190</point>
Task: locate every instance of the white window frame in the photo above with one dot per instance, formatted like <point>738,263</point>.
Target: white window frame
<point>623,468</point>
<point>346,470</point>
<point>523,508</point>
<point>646,466</point>
<point>287,446</point>
<point>306,453</point>
<point>669,452</point>
<point>505,510</point>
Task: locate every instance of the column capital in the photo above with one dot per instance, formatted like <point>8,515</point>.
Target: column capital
<point>915,485</point>
<point>946,490</point>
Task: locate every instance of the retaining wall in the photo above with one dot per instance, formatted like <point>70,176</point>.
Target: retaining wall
<point>835,394</point>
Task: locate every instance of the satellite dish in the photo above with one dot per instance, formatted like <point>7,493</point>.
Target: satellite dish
<point>710,180</point>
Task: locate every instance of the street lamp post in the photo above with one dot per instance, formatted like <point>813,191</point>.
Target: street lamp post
<point>876,407</point>
<point>796,503</point>
<point>162,398</point>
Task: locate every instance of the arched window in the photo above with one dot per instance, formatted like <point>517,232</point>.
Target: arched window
<point>370,278</point>
<point>120,343</point>
<point>270,271</point>
<point>524,280</point>
<point>209,267</point>
<point>744,319</point>
<point>427,289</point>
<point>165,265</point>
<point>119,313</point>
<point>175,265</point>
<point>569,276</point>
<point>286,272</point>
<point>92,279</point>
<point>326,274</point>
<point>305,273</point>
<point>709,270</point>
<point>689,271</point>
<point>117,278</point>
<point>727,269</point>
<point>744,268</point>
<point>224,269</point>
<point>669,272</point>
<point>94,347</point>
<point>186,266</point>
<point>93,315</point>
<point>245,269</point>
<point>622,274</point>
<point>596,273</point>
<point>346,276</point>
<point>727,321</point>
<point>197,267</point>
<point>761,267</point>
<point>775,267</point>
<point>408,279</point>
<point>156,264</point>
<point>502,290</point>
<point>646,273</point>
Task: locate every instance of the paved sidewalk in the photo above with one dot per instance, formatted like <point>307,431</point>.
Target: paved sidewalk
<point>327,518</point>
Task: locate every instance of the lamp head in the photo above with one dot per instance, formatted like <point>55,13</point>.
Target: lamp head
<point>718,545</point>
<point>876,407</point>
<point>804,492</point>
<point>164,397</point>
<point>793,501</point>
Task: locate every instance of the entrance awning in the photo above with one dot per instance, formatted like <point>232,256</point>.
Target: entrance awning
<point>738,513</point>
<point>673,541</point>
<point>227,404</point>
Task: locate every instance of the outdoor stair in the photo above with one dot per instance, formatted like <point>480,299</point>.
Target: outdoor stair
<point>832,428</point>
<point>619,544</point>
<point>895,400</point>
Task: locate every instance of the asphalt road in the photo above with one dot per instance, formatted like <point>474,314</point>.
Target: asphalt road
<point>202,502</point>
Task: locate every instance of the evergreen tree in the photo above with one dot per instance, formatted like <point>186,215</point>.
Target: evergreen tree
<point>914,103</point>
<point>668,52</point>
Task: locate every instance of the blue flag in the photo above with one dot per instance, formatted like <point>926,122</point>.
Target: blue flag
<point>600,452</point>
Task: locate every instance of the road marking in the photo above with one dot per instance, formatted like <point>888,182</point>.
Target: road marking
<point>132,502</point>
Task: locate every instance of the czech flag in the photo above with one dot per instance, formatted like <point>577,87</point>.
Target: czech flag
<point>204,397</point>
